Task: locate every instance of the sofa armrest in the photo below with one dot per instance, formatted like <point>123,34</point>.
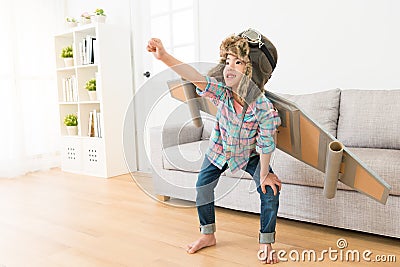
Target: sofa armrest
<point>173,135</point>
<point>156,148</point>
<point>170,135</point>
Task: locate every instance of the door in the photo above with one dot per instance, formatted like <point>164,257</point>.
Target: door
<point>175,23</point>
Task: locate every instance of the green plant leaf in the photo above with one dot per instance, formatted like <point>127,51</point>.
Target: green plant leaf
<point>67,52</point>
<point>71,120</point>
<point>91,85</point>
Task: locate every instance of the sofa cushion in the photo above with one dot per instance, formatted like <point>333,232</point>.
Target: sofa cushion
<point>185,157</point>
<point>370,118</point>
<point>189,157</point>
<point>385,162</point>
<point>323,107</point>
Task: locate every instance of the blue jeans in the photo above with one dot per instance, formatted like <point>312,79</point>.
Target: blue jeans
<point>207,181</point>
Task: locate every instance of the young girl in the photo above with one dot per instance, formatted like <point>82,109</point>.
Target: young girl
<point>243,137</point>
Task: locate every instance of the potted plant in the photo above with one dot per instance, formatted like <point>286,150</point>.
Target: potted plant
<point>85,18</point>
<point>71,22</point>
<point>91,88</point>
<point>68,55</point>
<point>71,122</point>
<point>99,15</point>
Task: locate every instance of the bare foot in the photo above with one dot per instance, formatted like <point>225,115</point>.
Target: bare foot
<point>267,255</point>
<point>202,242</point>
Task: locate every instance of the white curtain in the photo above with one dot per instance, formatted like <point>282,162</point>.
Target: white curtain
<point>29,120</point>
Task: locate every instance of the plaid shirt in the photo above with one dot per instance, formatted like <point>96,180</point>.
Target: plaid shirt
<point>256,136</point>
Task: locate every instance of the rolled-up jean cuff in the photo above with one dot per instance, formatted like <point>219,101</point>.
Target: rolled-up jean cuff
<point>266,238</point>
<point>207,229</point>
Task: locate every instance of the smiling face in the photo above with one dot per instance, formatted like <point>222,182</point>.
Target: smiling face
<point>233,71</point>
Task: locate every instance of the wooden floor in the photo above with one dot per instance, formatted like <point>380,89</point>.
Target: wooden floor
<point>57,219</point>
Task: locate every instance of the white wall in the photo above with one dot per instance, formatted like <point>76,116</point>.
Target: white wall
<point>321,44</point>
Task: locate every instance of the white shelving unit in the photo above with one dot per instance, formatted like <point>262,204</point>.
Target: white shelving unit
<point>97,156</point>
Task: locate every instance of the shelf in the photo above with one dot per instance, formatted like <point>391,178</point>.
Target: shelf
<point>98,156</point>
<point>71,136</point>
<point>87,66</point>
<point>79,102</point>
<point>66,68</point>
<point>90,102</point>
<point>82,137</point>
<point>67,103</point>
<point>68,32</point>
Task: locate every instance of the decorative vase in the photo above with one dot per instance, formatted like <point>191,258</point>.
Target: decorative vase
<point>92,95</point>
<point>71,24</point>
<point>72,130</point>
<point>68,61</point>
<point>100,18</point>
<point>85,21</point>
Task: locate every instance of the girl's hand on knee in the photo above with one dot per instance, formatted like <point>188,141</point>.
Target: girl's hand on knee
<point>271,180</point>
<point>156,47</point>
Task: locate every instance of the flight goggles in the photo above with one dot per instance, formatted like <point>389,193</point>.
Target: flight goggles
<point>253,37</point>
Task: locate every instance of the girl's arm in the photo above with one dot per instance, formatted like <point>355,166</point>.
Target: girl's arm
<point>184,70</point>
<point>267,178</point>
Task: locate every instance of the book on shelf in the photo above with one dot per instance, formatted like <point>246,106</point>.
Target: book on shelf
<point>94,127</point>
<point>70,89</point>
<point>88,52</point>
<point>90,129</point>
<point>96,132</point>
<point>98,124</point>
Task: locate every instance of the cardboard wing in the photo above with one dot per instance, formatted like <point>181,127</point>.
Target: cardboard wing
<point>304,139</point>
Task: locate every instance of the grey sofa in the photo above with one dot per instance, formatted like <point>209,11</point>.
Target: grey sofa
<point>366,121</point>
